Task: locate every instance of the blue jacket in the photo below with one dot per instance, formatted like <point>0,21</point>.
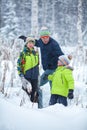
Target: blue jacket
<point>49,53</point>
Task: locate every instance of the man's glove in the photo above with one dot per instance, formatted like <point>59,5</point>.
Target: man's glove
<point>23,38</point>
<point>70,94</point>
<point>24,82</point>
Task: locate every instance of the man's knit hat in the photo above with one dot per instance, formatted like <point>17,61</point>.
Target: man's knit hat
<point>30,39</point>
<point>64,59</point>
<point>44,31</point>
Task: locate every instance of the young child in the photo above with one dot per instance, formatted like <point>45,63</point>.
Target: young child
<point>27,66</point>
<point>62,82</point>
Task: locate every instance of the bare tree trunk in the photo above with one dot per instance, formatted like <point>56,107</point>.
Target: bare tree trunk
<point>53,16</point>
<point>3,79</point>
<point>79,58</point>
<point>34,18</point>
<point>79,49</point>
<point>79,29</point>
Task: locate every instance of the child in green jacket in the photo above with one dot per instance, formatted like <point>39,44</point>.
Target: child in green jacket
<point>62,82</point>
<point>28,68</point>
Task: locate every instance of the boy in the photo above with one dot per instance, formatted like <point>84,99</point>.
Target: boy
<point>62,82</point>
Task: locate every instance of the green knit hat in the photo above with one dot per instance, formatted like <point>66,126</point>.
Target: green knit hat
<point>44,31</point>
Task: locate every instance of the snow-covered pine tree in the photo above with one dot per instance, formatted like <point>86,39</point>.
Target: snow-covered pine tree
<point>11,22</point>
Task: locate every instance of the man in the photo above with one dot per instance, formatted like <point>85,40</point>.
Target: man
<point>50,51</point>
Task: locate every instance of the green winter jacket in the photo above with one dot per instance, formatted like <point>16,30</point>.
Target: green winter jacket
<point>62,80</point>
<point>27,60</point>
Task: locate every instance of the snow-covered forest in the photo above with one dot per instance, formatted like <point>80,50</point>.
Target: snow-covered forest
<point>67,21</point>
<point>61,16</point>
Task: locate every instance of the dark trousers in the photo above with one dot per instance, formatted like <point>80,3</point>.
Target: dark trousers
<point>34,84</point>
<point>34,93</point>
<point>58,99</point>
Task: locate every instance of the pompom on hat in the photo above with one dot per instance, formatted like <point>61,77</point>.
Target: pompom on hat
<point>30,39</point>
<point>44,31</point>
<point>64,59</point>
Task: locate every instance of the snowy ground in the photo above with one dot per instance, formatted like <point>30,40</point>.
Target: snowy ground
<point>29,117</point>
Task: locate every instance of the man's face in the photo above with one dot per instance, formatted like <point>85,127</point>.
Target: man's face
<point>45,39</point>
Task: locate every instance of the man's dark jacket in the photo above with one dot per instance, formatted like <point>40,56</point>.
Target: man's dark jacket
<point>49,53</point>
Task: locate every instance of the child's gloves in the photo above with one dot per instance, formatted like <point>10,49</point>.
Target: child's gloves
<point>70,94</point>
